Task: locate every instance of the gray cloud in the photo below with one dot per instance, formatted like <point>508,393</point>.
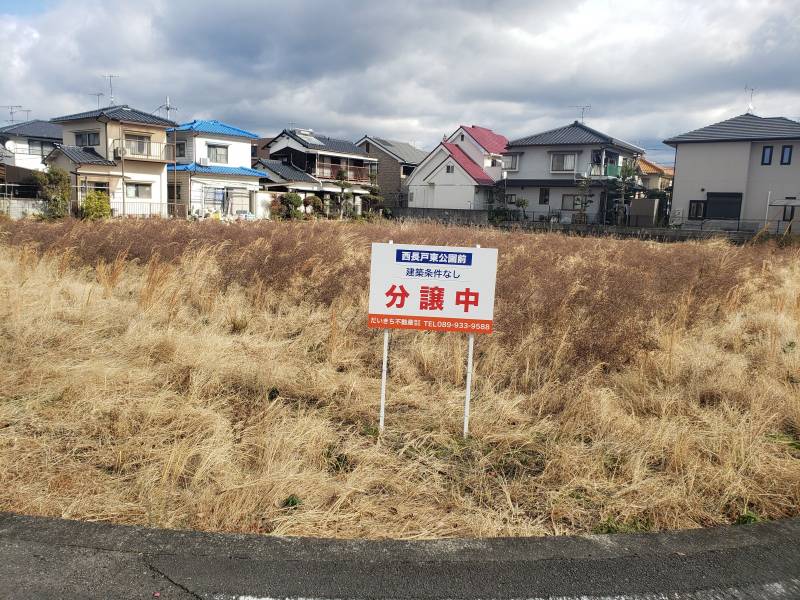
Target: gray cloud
<point>413,70</point>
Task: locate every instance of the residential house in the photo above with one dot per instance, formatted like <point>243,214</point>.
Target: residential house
<point>396,162</point>
<point>460,173</point>
<point>212,172</point>
<point>260,149</point>
<point>119,150</point>
<point>737,174</point>
<point>654,177</point>
<point>544,169</point>
<point>26,144</point>
<point>325,158</point>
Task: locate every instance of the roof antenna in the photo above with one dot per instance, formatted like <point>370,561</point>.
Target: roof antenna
<point>111,86</point>
<point>12,108</point>
<point>750,108</point>
<point>167,107</point>
<point>98,95</point>
<point>27,112</point>
<point>584,108</point>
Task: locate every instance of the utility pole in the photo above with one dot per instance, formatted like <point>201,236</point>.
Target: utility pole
<point>98,95</point>
<point>12,108</point>
<point>111,86</point>
<point>584,108</point>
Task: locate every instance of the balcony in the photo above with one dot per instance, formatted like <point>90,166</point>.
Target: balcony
<point>142,150</point>
<point>609,171</point>
<point>325,170</point>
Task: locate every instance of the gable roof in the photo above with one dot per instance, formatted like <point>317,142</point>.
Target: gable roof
<point>472,168</point>
<point>217,170</point>
<point>123,112</point>
<point>650,168</point>
<point>314,141</point>
<point>284,171</point>
<point>743,128</point>
<point>35,128</point>
<point>403,151</point>
<point>492,142</point>
<point>82,156</point>
<point>573,134</point>
<point>214,126</point>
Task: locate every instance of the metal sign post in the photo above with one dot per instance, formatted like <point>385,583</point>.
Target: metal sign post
<point>383,374</point>
<point>468,396</point>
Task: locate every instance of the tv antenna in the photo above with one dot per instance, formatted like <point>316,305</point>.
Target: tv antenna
<point>12,108</point>
<point>98,95</point>
<point>27,112</point>
<point>111,79</point>
<point>751,91</point>
<point>167,107</point>
<point>584,108</point>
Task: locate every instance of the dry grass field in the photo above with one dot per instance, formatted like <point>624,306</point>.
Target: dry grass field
<point>222,377</point>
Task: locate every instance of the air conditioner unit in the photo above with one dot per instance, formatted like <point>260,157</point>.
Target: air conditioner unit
<point>203,161</point>
<point>119,152</point>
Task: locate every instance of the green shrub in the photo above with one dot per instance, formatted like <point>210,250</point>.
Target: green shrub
<point>96,205</point>
<point>53,186</point>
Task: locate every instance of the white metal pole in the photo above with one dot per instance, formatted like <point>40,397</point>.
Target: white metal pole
<point>383,374</point>
<point>766,212</point>
<point>468,396</point>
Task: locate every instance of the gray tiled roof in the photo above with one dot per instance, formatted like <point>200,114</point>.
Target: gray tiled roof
<point>123,112</point>
<point>284,171</point>
<point>327,143</point>
<point>402,150</point>
<point>35,128</point>
<point>83,156</point>
<point>575,134</point>
<point>742,128</point>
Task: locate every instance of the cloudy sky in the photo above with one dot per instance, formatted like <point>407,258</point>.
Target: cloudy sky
<point>410,70</point>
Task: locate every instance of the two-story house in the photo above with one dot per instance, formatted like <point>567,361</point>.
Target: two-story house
<point>654,177</point>
<point>396,162</point>
<point>119,150</point>
<point>26,144</point>
<point>212,172</point>
<point>545,168</point>
<point>737,174</point>
<point>325,159</point>
<point>461,172</point>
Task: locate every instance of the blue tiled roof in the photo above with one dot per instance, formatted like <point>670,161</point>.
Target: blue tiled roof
<point>214,126</point>
<point>217,170</point>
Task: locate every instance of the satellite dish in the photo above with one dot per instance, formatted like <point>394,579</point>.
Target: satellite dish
<point>10,145</point>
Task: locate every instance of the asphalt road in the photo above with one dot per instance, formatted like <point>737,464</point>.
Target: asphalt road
<point>46,558</point>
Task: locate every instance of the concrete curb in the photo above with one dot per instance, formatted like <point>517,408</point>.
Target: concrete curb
<point>761,560</point>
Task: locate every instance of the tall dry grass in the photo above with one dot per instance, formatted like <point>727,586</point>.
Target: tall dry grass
<point>222,377</point>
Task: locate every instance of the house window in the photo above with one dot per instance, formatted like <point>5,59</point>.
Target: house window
<point>39,148</point>
<point>510,162</point>
<point>462,137</point>
<point>450,169</point>
<point>786,155</point>
<point>366,147</point>
<point>138,144</point>
<point>173,192</point>
<point>766,155</point>
<point>407,170</point>
<point>697,209</point>
<point>495,162</point>
<point>511,199</point>
<point>788,213</point>
<point>570,202</point>
<point>141,191</point>
<point>544,195</point>
<point>723,205</point>
<point>411,198</point>
<point>87,138</point>
<point>180,149</point>
<point>562,162</point>
<point>218,154</point>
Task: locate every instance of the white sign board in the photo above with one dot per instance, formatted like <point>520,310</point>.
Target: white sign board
<point>434,288</point>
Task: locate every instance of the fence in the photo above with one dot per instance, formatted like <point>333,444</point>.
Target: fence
<point>19,208</point>
<point>446,215</point>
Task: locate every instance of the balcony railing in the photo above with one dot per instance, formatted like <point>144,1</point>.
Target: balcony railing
<point>326,170</point>
<point>609,171</point>
<point>141,150</point>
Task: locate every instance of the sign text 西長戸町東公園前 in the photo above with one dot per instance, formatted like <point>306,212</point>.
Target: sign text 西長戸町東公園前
<point>433,288</point>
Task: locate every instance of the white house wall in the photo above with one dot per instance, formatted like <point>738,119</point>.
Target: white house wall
<point>238,149</point>
<point>21,156</point>
<point>775,181</point>
<point>441,189</point>
<point>477,153</point>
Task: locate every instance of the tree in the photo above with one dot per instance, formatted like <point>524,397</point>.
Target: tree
<point>584,198</point>
<point>621,189</point>
<point>96,205</point>
<point>522,203</point>
<point>53,186</point>
<point>343,196</point>
<point>291,203</point>
<point>373,200</point>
